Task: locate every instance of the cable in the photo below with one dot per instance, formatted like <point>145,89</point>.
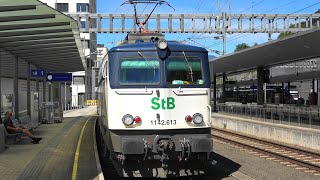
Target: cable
<point>243,10</point>
<point>241,35</point>
<point>260,25</point>
<point>139,16</point>
<point>197,8</point>
<point>117,33</point>
<point>210,12</point>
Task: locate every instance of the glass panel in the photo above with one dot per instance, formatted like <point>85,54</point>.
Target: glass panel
<point>82,7</point>
<point>78,80</point>
<point>139,71</point>
<point>83,24</point>
<point>184,72</point>
<point>63,7</point>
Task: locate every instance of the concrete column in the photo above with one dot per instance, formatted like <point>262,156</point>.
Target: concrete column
<point>253,93</point>
<point>0,82</point>
<point>260,79</point>
<point>214,93</point>
<point>318,86</point>
<point>28,90</point>
<point>38,90</point>
<point>224,87</point>
<point>237,93</point>
<point>282,93</point>
<point>44,99</point>
<point>16,87</point>
<point>50,91</point>
<point>65,96</point>
<point>313,86</point>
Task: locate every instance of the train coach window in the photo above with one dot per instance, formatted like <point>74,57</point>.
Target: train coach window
<point>182,72</point>
<point>139,71</point>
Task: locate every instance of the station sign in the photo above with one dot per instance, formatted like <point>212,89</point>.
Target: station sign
<point>38,73</point>
<point>59,77</point>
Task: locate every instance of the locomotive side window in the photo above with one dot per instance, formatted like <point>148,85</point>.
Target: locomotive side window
<point>180,71</point>
<point>139,71</point>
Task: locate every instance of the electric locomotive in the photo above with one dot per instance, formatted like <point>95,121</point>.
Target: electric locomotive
<point>154,110</point>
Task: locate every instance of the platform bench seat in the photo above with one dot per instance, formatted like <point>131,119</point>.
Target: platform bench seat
<point>11,138</point>
<point>27,123</point>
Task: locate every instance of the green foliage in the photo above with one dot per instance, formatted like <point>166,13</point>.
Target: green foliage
<point>241,46</point>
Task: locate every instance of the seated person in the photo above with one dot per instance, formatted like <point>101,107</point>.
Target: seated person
<point>13,130</point>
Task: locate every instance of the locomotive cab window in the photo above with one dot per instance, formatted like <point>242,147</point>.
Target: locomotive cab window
<point>139,71</point>
<point>184,71</point>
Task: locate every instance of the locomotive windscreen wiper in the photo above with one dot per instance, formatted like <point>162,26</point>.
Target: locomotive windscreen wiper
<point>145,60</point>
<point>190,68</point>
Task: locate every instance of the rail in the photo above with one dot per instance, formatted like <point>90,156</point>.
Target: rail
<point>299,157</point>
<point>307,117</point>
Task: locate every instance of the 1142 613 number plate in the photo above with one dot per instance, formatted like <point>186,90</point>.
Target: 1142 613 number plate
<point>163,122</point>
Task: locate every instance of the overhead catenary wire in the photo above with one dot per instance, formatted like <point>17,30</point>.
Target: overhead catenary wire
<point>231,38</point>
<point>243,10</point>
<point>210,12</point>
<point>241,36</point>
<point>199,4</point>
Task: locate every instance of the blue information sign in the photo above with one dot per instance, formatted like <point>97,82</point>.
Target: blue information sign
<point>38,73</point>
<point>59,77</point>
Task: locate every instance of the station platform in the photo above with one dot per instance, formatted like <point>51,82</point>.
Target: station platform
<point>67,151</point>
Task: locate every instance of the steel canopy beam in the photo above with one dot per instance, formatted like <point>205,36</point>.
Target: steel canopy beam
<point>42,52</point>
<point>33,25</point>
<point>34,32</point>
<point>34,37</point>
<point>28,17</point>
<point>58,55</point>
<point>36,42</point>
<point>45,50</point>
<point>17,8</point>
<point>40,46</point>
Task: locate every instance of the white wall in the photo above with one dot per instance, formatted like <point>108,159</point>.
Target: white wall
<point>72,3</point>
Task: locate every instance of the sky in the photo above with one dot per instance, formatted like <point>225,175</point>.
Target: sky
<point>206,7</point>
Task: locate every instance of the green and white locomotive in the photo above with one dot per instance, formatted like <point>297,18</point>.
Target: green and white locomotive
<point>154,110</point>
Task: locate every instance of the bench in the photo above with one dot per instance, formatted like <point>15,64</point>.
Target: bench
<point>2,138</point>
<point>26,122</point>
<point>11,138</point>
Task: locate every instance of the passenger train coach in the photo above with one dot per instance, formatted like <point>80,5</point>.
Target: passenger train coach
<point>154,110</point>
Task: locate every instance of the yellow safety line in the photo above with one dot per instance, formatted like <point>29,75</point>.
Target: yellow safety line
<point>76,156</point>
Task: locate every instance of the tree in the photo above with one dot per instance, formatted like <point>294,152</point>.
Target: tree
<point>241,46</point>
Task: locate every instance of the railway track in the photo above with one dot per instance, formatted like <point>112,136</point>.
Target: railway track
<point>293,157</point>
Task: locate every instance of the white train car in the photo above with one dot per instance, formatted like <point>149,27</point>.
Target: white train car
<point>154,110</point>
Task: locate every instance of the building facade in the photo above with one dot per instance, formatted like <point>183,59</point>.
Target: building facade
<point>82,84</point>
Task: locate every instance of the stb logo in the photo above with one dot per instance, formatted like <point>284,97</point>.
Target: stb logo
<point>164,104</point>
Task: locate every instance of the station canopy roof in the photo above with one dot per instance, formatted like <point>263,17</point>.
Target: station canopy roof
<point>300,46</point>
<point>39,34</point>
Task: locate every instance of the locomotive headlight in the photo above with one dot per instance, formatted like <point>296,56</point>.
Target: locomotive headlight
<point>127,119</point>
<point>162,44</point>
<point>197,118</point>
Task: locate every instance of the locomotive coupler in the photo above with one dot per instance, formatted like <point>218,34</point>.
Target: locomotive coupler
<point>188,150</point>
<point>121,158</point>
<point>146,150</point>
<point>182,154</point>
<point>164,160</point>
